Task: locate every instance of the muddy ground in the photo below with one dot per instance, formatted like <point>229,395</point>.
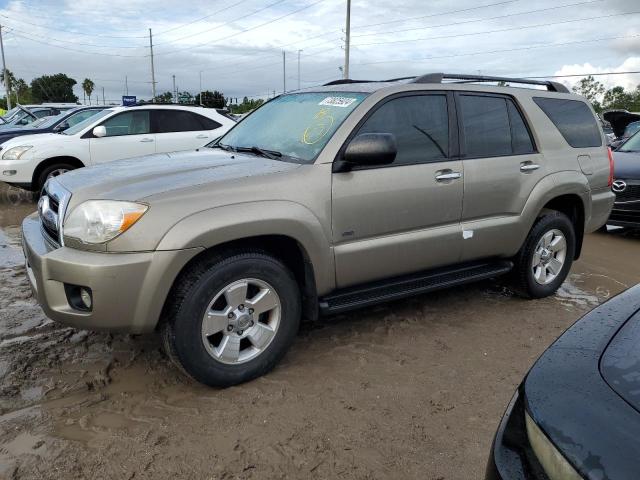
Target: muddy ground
<point>412,389</point>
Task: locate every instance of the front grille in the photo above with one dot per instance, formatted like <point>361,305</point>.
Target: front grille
<point>51,208</point>
<point>629,194</point>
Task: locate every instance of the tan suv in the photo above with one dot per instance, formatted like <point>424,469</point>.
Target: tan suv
<point>321,201</point>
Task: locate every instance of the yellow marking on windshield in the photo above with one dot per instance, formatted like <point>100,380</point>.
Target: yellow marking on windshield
<point>323,121</point>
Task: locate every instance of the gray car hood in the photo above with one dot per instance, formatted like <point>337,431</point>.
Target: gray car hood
<point>141,177</point>
<point>627,165</point>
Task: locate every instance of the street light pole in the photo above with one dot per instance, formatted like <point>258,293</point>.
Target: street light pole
<point>284,72</point>
<point>201,104</point>
<point>7,83</point>
<point>347,40</point>
<point>153,71</point>
<point>299,69</point>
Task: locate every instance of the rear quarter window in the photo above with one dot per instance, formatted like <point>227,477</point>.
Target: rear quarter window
<point>574,120</point>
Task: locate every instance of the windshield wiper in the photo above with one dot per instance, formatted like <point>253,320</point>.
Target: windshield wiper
<point>222,146</point>
<point>271,154</point>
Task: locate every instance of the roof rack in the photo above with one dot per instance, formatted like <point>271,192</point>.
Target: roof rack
<point>439,77</point>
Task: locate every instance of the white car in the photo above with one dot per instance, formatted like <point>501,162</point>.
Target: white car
<point>112,134</point>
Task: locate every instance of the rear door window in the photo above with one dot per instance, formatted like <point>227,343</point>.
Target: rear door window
<point>167,121</point>
<point>492,126</point>
<point>574,120</point>
<point>420,124</point>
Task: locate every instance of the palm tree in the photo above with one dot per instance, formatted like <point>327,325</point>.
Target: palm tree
<point>87,87</point>
<point>9,82</point>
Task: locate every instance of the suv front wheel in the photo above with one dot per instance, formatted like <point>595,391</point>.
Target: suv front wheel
<point>233,318</point>
<point>545,259</point>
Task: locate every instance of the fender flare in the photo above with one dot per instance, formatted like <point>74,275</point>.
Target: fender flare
<point>219,225</point>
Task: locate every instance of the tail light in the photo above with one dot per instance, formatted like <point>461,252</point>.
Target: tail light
<point>610,153</point>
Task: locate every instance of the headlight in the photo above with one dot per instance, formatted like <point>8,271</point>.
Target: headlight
<point>554,464</point>
<point>16,152</point>
<point>98,221</point>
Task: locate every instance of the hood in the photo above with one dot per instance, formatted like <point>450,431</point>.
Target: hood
<point>141,177</point>
<point>620,363</point>
<point>619,119</point>
<point>570,393</point>
<point>626,165</point>
<point>36,139</point>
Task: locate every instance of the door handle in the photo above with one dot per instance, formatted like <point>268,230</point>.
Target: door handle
<point>529,167</point>
<point>202,136</point>
<point>146,140</point>
<point>448,176</point>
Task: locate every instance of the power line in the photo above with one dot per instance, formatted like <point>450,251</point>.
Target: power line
<point>202,18</point>
<point>484,52</point>
<point>266,7</point>
<point>76,49</point>
<point>464,22</point>
<point>14,29</point>
<point>191,47</point>
<point>520,27</point>
<point>56,29</point>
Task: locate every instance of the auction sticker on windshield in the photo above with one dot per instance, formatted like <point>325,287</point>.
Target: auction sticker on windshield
<point>337,101</point>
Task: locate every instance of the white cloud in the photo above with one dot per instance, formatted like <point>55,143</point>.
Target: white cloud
<point>628,81</point>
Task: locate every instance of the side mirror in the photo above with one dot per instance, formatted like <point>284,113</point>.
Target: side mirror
<point>99,131</point>
<point>61,127</point>
<point>369,149</point>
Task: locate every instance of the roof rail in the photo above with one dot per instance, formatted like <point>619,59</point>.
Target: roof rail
<point>344,81</point>
<point>438,77</point>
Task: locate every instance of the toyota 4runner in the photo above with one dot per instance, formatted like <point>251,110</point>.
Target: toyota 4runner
<point>321,201</point>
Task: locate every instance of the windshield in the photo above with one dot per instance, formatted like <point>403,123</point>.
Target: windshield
<point>45,122</point>
<point>11,113</point>
<point>78,127</point>
<point>297,126</point>
<point>631,145</point>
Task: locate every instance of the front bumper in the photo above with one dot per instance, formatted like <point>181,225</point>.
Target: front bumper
<point>129,289</point>
<point>625,214</point>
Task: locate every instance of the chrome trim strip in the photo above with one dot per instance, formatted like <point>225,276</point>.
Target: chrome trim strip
<point>61,195</point>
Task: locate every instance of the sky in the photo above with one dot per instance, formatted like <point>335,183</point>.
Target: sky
<point>235,46</point>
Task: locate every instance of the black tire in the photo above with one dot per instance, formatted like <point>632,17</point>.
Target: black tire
<point>198,286</point>
<point>523,276</point>
<point>44,174</point>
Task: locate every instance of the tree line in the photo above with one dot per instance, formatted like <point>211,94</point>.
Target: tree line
<point>602,99</point>
<point>59,88</point>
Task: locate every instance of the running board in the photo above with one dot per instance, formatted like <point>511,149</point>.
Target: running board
<point>410,285</point>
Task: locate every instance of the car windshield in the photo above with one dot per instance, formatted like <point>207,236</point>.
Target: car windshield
<point>295,126</point>
<point>45,122</point>
<point>632,128</point>
<point>631,145</point>
<point>78,127</point>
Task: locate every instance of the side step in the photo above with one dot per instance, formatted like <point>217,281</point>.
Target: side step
<point>409,285</point>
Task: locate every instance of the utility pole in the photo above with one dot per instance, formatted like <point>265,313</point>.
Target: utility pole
<point>284,72</point>
<point>126,86</point>
<point>7,84</point>
<point>175,94</point>
<point>299,69</point>
<point>347,40</point>
<point>153,71</point>
<point>103,100</point>
<point>201,104</point>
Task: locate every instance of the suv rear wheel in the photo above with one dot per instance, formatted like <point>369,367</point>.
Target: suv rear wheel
<point>233,318</point>
<point>545,259</point>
